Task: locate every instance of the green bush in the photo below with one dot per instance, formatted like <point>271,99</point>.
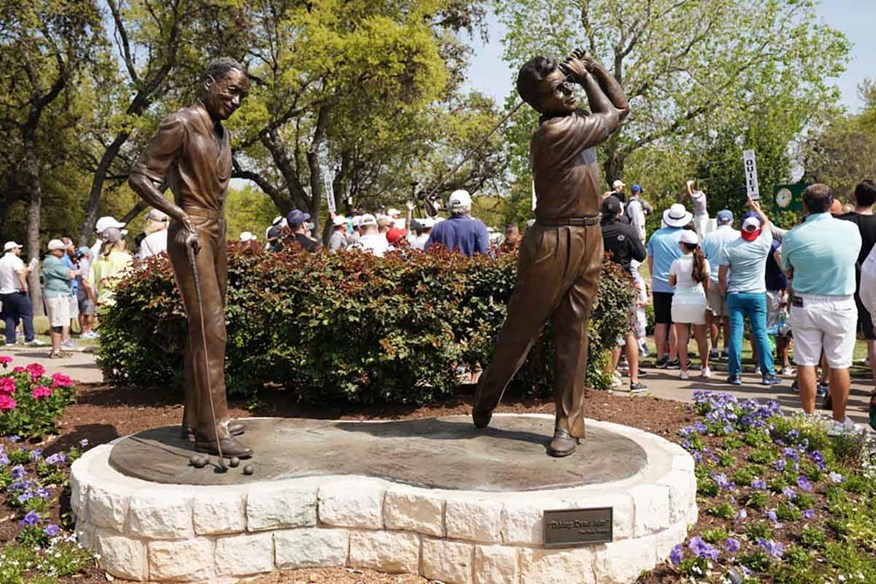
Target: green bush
<point>344,327</point>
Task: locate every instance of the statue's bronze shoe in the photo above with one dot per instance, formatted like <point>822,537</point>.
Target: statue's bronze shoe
<point>481,419</point>
<point>562,444</point>
<point>230,447</point>
<point>234,428</point>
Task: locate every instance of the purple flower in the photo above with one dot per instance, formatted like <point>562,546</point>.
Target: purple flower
<point>722,481</point>
<point>4,460</point>
<point>676,555</point>
<point>791,453</point>
<point>804,483</point>
<point>773,548</point>
<point>14,438</point>
<point>771,515</point>
<point>759,484</point>
<point>817,457</point>
<point>789,492</point>
<point>702,549</point>
<point>18,472</point>
<point>697,456</point>
<point>25,497</point>
<point>836,477</point>
<point>34,454</point>
<point>83,443</point>
<point>52,530</point>
<point>32,518</point>
<point>809,514</point>
<point>779,465</point>
<point>741,514</point>
<point>57,458</point>
<point>43,493</point>
<point>731,545</point>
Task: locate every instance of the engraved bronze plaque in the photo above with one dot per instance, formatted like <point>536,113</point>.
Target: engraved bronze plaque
<point>577,527</point>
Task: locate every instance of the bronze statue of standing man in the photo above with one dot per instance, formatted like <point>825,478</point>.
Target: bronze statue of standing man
<point>191,154</point>
<point>561,255</point>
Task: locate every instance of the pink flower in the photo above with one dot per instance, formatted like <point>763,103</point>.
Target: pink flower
<point>6,403</point>
<point>7,385</point>
<point>5,360</point>
<point>61,380</point>
<point>36,371</point>
<point>40,391</point>
<point>19,369</point>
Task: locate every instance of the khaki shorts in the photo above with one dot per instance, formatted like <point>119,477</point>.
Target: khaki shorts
<point>59,311</point>
<point>824,323</point>
<point>715,301</point>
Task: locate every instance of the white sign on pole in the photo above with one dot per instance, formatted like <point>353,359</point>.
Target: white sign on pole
<point>329,191</point>
<point>748,160</point>
<point>534,198</point>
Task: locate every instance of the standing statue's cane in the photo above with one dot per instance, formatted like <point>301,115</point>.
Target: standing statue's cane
<point>191,251</point>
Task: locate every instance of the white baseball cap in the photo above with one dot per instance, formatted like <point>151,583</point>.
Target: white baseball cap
<point>751,224</point>
<point>394,213</point>
<point>356,220</point>
<point>247,236</point>
<point>11,245</point>
<point>689,237</point>
<point>427,223</point>
<point>618,183</point>
<point>339,220</point>
<point>459,200</point>
<point>157,216</point>
<point>105,223</point>
<point>56,244</point>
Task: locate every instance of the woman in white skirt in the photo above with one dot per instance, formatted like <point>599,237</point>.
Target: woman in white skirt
<point>690,276</point>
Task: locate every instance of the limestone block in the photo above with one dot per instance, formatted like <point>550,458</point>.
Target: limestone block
<point>411,509</point>
<point>186,560</point>
<point>85,535</point>
<point>352,503</point>
<point>448,561</point>
<point>473,520</point>
<point>160,514</point>
<point>669,538</point>
<point>522,521</point>
<point>623,511</point>
<point>217,512</point>
<point>244,555</point>
<point>558,567</point>
<point>683,461</point>
<point>652,508</point>
<point>310,548</point>
<point>682,489</point>
<point>78,494</point>
<point>107,508</point>
<point>495,564</point>
<point>273,507</point>
<point>121,556</point>
<point>385,551</point>
<point>621,562</point>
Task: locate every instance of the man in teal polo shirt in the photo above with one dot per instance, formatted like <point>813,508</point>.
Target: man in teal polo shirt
<point>820,256</point>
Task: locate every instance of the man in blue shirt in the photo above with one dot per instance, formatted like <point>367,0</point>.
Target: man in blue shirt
<point>461,231</point>
<point>741,275</point>
<point>819,256</point>
<point>713,248</point>
<point>663,248</point>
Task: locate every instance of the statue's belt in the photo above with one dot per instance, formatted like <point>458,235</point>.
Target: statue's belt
<point>588,221</point>
<point>205,213</point>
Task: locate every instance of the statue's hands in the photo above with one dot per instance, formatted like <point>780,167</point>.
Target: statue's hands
<point>578,64</point>
<point>191,234</point>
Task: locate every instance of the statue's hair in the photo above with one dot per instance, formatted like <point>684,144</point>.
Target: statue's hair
<point>530,77</point>
<point>219,68</point>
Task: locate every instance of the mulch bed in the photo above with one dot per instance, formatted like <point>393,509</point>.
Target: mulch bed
<point>103,413</point>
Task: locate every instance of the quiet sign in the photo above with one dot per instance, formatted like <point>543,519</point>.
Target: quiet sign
<point>750,174</point>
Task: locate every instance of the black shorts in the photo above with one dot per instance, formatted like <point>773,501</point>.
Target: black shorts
<point>663,307</point>
<point>865,321</point>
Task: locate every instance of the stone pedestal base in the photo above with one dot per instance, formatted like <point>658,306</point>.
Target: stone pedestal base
<point>249,525</point>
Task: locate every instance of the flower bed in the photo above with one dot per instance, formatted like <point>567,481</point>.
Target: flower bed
<point>31,402</point>
<point>780,501</point>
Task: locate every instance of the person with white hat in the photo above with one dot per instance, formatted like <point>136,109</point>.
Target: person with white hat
<point>13,294</point>
<point>370,240</point>
<point>663,249</point>
<point>355,234</point>
<point>689,275</point>
<point>422,229</point>
<point>247,236</point>
<point>58,278</point>
<point>617,188</point>
<point>742,275</point>
<point>102,225</point>
<point>155,241</point>
<point>461,231</point>
<point>338,238</point>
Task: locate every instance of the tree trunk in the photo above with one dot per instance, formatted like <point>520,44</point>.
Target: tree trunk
<point>87,228</point>
<point>35,200</point>
<point>613,167</point>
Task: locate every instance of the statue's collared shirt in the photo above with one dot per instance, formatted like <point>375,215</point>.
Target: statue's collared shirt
<point>565,172</point>
<point>192,154</point>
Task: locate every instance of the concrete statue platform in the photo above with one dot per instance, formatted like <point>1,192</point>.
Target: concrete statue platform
<point>434,497</point>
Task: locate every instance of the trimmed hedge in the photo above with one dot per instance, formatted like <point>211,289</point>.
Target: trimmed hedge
<point>342,327</point>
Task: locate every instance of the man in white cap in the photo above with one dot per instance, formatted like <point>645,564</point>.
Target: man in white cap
<point>338,238</point>
<point>461,231</point>
<point>156,240</point>
<point>742,275</point>
<point>618,190</point>
<point>356,223</point>
<point>370,240</point>
<point>422,229</point>
<point>663,249</point>
<point>13,294</point>
<point>102,225</point>
<point>58,278</point>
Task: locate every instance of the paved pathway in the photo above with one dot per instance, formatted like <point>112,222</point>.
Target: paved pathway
<point>661,383</point>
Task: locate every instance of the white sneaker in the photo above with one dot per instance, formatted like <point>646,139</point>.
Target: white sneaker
<point>617,380</point>
<point>706,373</point>
<point>34,343</point>
<point>684,374</point>
<point>846,427</point>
